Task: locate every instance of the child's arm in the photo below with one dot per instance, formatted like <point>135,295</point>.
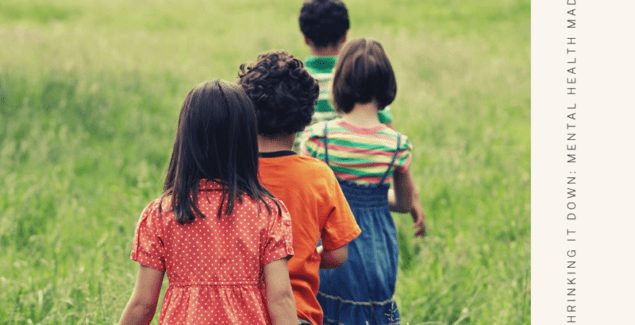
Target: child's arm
<point>400,199</point>
<point>280,301</point>
<point>418,215</point>
<point>332,259</point>
<point>143,302</point>
<point>415,209</point>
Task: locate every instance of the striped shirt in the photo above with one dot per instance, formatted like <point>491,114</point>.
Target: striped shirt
<point>358,154</point>
<point>321,68</point>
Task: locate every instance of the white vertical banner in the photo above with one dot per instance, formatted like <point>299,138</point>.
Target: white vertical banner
<point>583,162</point>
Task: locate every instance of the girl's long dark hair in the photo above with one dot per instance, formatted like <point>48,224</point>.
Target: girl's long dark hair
<point>215,140</point>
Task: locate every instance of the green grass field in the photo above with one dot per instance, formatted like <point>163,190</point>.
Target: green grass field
<point>89,97</point>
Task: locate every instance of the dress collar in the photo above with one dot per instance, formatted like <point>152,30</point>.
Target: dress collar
<point>209,185</point>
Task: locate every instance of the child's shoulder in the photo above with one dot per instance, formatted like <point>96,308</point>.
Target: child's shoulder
<point>314,175</point>
<point>342,126</point>
<point>315,167</point>
<point>299,168</point>
<point>316,130</point>
<point>156,215</point>
<point>158,207</point>
<point>153,207</point>
<point>319,129</point>
<point>394,134</point>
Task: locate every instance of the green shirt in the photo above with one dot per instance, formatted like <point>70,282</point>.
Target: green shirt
<point>321,68</point>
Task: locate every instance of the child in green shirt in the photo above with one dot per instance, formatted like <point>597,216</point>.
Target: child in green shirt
<point>325,24</point>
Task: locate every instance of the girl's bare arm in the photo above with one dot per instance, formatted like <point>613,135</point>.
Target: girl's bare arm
<point>404,184</point>
<point>143,302</point>
<point>280,301</point>
<point>418,215</point>
<point>400,199</point>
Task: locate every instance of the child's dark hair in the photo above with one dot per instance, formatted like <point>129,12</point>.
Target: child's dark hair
<point>283,92</point>
<point>215,140</point>
<point>363,74</point>
<point>324,22</point>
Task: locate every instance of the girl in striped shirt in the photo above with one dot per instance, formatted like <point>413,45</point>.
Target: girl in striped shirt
<point>365,156</point>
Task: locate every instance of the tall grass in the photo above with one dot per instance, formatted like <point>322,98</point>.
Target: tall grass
<point>90,92</point>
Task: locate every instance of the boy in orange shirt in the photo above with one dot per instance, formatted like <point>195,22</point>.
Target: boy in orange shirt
<point>284,95</point>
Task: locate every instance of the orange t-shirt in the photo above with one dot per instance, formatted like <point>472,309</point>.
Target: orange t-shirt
<point>318,209</point>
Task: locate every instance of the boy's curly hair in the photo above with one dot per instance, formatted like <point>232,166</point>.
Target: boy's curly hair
<point>324,22</point>
<point>283,92</point>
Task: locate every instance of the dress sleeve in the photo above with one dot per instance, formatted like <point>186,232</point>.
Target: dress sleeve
<point>147,247</point>
<point>340,227</point>
<point>402,163</point>
<point>278,243</point>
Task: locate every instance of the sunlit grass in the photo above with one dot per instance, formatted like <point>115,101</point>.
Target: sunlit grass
<point>90,92</point>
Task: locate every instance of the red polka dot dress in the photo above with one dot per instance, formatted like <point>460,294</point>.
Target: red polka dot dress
<point>214,265</point>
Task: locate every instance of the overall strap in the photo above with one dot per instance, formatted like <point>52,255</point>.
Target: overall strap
<point>326,142</point>
<point>392,162</point>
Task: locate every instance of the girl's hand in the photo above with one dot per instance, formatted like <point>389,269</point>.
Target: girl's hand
<point>418,217</point>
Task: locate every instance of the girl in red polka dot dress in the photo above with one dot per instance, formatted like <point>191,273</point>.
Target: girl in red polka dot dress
<point>220,236</point>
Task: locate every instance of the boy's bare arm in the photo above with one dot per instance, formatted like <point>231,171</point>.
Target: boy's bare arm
<point>143,302</point>
<point>333,258</point>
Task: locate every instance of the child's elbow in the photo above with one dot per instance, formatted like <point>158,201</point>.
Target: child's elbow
<point>287,298</point>
<point>281,299</point>
<point>340,258</point>
<point>334,258</point>
<point>138,312</point>
<point>402,208</point>
<point>146,309</point>
<point>405,204</point>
